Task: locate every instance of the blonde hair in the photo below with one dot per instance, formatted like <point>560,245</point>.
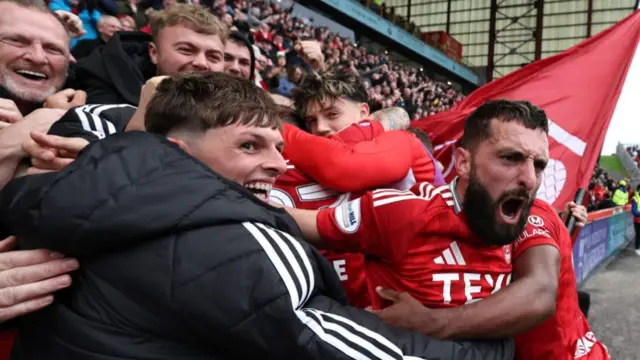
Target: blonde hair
<point>194,17</point>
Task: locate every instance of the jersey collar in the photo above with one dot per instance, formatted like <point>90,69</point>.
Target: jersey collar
<point>457,204</point>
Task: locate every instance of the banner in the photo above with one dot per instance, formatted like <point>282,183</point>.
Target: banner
<point>579,90</point>
<point>608,231</point>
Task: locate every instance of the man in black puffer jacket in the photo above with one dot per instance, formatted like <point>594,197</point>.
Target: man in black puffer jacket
<point>181,262</point>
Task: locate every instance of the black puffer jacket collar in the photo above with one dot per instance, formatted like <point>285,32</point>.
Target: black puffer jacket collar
<point>125,189</point>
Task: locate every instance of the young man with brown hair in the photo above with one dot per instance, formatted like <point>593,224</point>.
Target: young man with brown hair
<point>182,256</point>
<point>185,38</point>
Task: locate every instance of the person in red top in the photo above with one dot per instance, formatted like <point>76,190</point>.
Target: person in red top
<point>500,163</point>
<point>424,243</point>
<point>540,307</point>
<point>360,156</point>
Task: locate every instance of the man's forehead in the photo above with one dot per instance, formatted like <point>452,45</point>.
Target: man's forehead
<point>512,135</point>
<point>236,49</point>
<point>182,33</point>
<point>328,103</point>
<point>32,23</point>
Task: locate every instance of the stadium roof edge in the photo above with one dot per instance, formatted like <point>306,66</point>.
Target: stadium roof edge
<point>373,21</point>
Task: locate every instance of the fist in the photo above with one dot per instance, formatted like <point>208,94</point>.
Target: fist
<point>66,99</point>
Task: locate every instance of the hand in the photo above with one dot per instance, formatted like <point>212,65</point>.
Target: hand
<point>146,93</point>
<point>579,211</point>
<point>51,152</point>
<point>29,277</point>
<point>66,99</point>
<point>41,119</point>
<point>9,112</point>
<point>73,22</point>
<point>408,313</point>
<point>311,53</point>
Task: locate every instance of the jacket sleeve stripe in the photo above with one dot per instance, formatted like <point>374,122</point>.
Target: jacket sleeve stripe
<point>293,262</point>
<point>90,119</point>
<point>348,335</point>
<point>277,262</point>
<point>305,261</point>
<point>343,340</point>
<point>282,251</point>
<point>341,333</point>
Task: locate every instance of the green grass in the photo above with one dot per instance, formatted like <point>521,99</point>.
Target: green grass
<point>611,163</point>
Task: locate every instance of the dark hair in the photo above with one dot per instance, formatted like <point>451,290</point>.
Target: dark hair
<point>423,137</point>
<point>321,86</point>
<point>198,102</point>
<point>477,127</point>
<point>239,38</point>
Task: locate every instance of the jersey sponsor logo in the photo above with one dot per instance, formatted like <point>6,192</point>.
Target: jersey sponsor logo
<point>531,233</point>
<point>474,286</point>
<point>281,197</point>
<point>536,221</point>
<point>348,216</point>
<point>451,256</point>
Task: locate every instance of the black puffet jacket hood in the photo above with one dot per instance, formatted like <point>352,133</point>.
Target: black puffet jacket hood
<point>157,185</point>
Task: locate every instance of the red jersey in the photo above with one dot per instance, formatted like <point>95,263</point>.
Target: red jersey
<point>420,244</point>
<point>295,189</point>
<point>566,335</point>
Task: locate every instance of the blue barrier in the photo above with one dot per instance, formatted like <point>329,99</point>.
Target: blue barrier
<point>600,240</point>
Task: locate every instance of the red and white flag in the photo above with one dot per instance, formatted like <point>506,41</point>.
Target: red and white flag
<point>579,89</point>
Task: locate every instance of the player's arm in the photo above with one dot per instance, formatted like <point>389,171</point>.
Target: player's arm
<point>393,118</point>
<point>370,164</point>
<point>527,301</point>
<point>519,307</point>
<point>378,224</point>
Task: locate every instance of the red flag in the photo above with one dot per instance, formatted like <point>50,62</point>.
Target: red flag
<point>578,89</point>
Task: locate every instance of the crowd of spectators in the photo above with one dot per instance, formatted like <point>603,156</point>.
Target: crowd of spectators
<point>634,152</point>
<point>278,36</point>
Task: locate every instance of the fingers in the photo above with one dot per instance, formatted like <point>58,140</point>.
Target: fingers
<point>388,294</point>
<point>8,244</point>
<point>23,308</point>
<point>79,98</point>
<point>16,294</point>
<point>73,145</point>
<point>10,116</point>
<point>14,259</point>
<point>25,275</point>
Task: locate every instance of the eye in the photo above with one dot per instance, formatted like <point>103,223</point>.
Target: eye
<point>249,146</point>
<point>13,41</point>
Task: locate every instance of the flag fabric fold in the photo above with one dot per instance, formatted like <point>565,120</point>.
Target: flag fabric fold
<point>578,88</point>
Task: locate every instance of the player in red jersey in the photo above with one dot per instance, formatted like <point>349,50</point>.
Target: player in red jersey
<point>327,174</point>
<point>500,163</point>
<point>424,243</point>
<point>540,306</point>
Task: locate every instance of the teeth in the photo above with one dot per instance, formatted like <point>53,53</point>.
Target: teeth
<point>259,186</point>
<point>32,73</point>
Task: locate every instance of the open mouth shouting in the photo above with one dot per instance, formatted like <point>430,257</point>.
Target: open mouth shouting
<point>260,189</point>
<point>511,208</point>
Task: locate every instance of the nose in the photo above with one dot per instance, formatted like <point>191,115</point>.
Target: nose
<point>322,128</point>
<point>233,67</point>
<point>36,54</point>
<point>528,176</point>
<point>276,164</point>
<point>200,62</point>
